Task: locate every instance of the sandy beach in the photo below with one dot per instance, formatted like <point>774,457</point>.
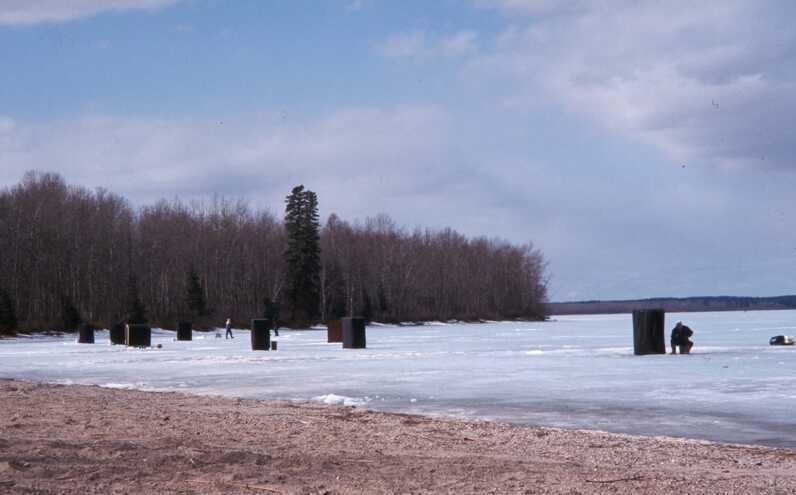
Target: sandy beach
<point>86,439</point>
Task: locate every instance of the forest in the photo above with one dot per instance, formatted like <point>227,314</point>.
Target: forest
<point>71,254</point>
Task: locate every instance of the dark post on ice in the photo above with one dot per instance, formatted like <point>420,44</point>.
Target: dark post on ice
<point>261,334</point>
<point>118,334</point>
<point>138,335</point>
<point>648,332</point>
<point>184,330</point>
<point>353,333</point>
<point>334,331</point>
<point>86,334</point>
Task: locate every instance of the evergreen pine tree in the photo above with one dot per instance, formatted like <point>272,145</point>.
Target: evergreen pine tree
<point>195,295</point>
<point>303,255</point>
<point>8,314</point>
<point>136,311</point>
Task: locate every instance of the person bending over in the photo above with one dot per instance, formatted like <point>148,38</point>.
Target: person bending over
<point>681,337</point>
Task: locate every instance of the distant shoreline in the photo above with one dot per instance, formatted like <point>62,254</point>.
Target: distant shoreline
<point>87,439</point>
<point>673,304</point>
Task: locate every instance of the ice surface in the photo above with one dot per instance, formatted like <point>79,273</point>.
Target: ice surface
<point>578,371</point>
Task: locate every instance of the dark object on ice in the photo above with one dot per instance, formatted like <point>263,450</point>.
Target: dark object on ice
<point>261,334</point>
<point>334,331</point>
<point>681,337</point>
<point>118,334</point>
<point>271,313</point>
<point>353,333</point>
<point>85,334</point>
<point>273,345</point>
<point>138,335</point>
<point>184,330</point>
<point>781,340</point>
<point>648,333</point>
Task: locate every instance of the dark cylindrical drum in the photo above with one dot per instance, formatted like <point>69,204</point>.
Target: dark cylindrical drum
<point>273,345</point>
<point>649,332</point>
<point>138,335</point>
<point>334,331</point>
<point>353,333</point>
<point>117,334</point>
<point>85,334</point>
<point>184,330</point>
<point>261,334</point>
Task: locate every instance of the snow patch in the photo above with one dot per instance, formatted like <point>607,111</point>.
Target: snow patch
<point>341,400</point>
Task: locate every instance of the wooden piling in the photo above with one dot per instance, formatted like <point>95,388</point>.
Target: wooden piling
<point>334,331</point>
<point>261,334</point>
<point>353,333</point>
<point>184,330</point>
<point>85,334</point>
<point>649,332</point>
<point>118,334</point>
<point>138,335</point>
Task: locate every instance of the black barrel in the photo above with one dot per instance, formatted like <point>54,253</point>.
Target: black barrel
<point>353,333</point>
<point>334,331</point>
<point>138,335</point>
<point>273,345</point>
<point>649,332</point>
<point>85,334</point>
<point>117,334</point>
<point>261,334</point>
<point>184,330</point>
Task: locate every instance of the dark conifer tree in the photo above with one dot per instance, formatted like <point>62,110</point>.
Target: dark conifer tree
<point>303,255</point>
<point>195,296</point>
<point>8,314</point>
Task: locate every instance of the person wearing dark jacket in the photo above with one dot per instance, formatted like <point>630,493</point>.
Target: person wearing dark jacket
<point>677,333</point>
<point>681,337</point>
<point>685,340</point>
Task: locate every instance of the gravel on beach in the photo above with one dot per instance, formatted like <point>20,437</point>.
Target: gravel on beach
<point>84,439</point>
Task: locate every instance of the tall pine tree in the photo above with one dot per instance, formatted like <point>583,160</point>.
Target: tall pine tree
<point>303,255</point>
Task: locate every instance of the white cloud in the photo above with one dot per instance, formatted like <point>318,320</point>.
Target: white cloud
<point>532,7</point>
<point>24,12</point>
<point>706,83</point>
<point>418,44</point>
<point>379,150</point>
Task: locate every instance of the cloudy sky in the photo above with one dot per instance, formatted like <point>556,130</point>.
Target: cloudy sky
<point>648,148</point>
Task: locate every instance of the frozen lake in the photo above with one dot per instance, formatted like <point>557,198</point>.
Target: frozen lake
<point>578,371</point>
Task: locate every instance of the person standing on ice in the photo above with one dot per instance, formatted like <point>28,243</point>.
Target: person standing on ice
<point>228,326</point>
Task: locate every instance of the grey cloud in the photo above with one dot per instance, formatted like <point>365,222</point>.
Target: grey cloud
<point>26,12</point>
<point>707,83</point>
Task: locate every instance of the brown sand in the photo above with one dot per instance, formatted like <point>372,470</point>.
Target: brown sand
<point>82,439</point>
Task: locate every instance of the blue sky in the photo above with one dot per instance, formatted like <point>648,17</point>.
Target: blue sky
<point>646,147</point>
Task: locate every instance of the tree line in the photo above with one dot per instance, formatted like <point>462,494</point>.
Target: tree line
<point>70,254</point>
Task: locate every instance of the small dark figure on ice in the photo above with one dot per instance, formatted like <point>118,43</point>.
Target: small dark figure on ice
<point>228,326</point>
<point>272,314</point>
<point>681,337</point>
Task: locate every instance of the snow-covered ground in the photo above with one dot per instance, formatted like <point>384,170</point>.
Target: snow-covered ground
<point>578,371</point>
